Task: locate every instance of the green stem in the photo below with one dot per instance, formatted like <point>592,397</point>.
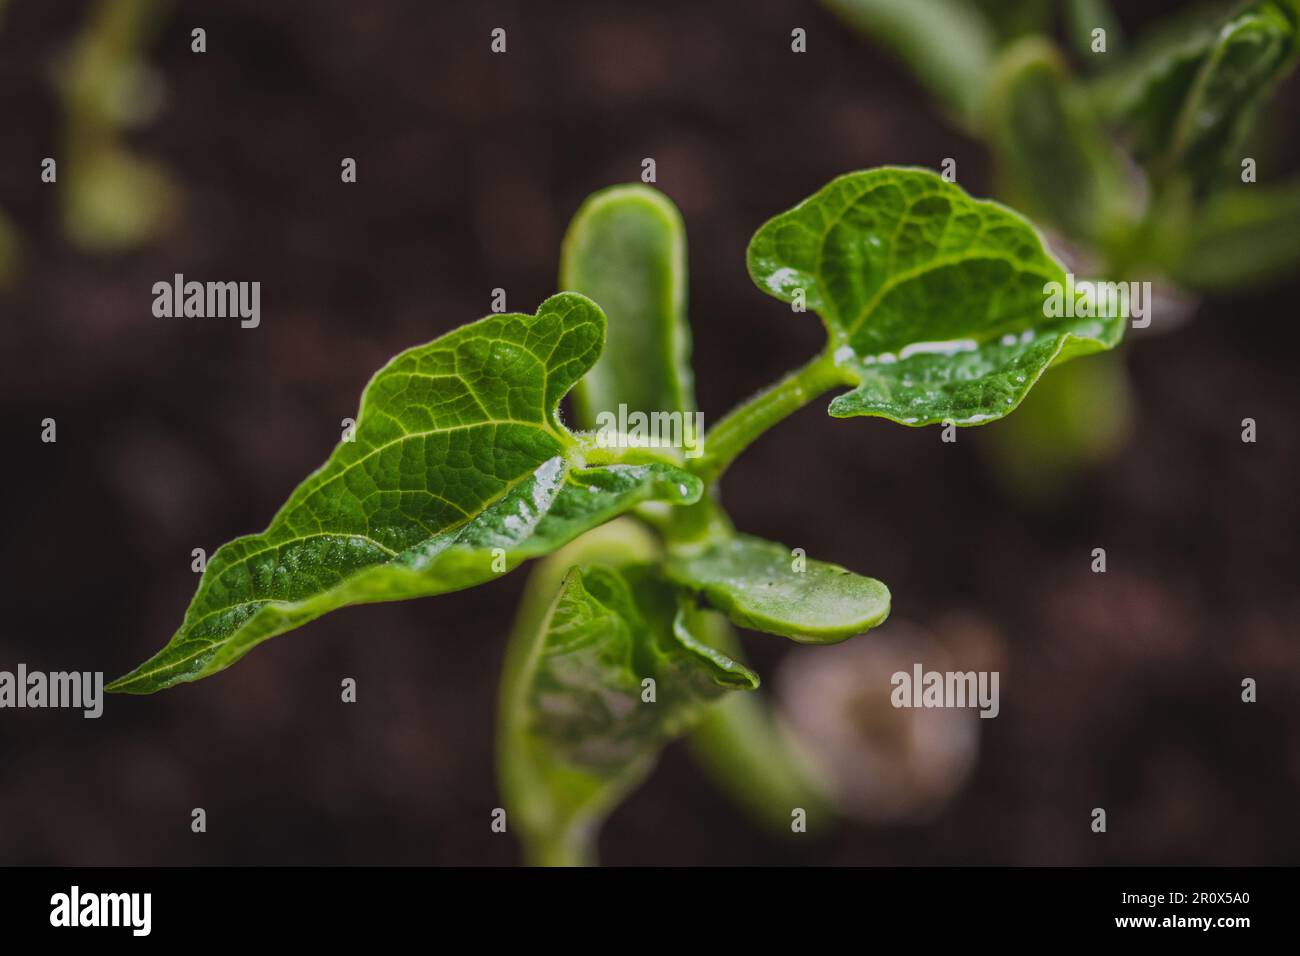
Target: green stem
<point>737,430</point>
<point>692,526</point>
<point>560,850</point>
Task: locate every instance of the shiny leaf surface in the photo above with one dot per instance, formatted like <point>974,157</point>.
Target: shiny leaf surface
<point>626,250</point>
<point>761,585</point>
<point>934,302</point>
<point>460,469</point>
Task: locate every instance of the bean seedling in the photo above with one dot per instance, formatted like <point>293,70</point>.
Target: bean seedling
<point>461,468</point>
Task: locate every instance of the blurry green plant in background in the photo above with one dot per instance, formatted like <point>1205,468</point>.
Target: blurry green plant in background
<point>1139,159</point>
<point>115,199</point>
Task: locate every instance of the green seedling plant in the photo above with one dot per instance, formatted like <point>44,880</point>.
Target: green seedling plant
<point>461,468</point>
<point>1145,160</point>
<point>116,199</point>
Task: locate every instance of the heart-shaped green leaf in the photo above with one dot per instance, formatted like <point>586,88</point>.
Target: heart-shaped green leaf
<point>460,470</point>
<point>935,303</point>
<point>580,726</point>
<point>765,586</point>
<point>626,250</point>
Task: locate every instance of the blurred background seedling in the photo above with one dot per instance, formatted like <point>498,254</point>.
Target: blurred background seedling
<point>1138,157</point>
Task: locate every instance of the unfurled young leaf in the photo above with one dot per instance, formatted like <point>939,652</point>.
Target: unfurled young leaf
<point>460,469</point>
<point>762,585</point>
<point>935,303</point>
<point>582,722</point>
<point>626,250</point>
